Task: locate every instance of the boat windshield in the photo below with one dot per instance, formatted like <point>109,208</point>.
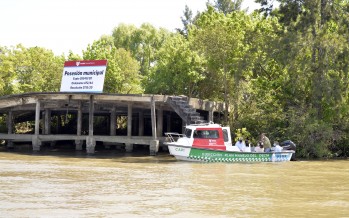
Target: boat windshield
<point>188,133</point>
<point>225,135</point>
<point>209,134</point>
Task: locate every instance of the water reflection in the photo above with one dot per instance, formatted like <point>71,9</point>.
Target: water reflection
<point>137,185</point>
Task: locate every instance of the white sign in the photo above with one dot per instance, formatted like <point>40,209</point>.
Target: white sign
<point>83,76</point>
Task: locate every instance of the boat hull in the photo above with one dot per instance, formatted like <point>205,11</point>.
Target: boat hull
<point>186,153</point>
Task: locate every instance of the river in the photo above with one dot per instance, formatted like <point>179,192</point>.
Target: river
<point>116,184</point>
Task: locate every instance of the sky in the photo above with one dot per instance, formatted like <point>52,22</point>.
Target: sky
<point>64,25</point>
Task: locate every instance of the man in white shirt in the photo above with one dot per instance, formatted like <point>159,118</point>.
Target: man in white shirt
<point>277,148</point>
<point>240,145</point>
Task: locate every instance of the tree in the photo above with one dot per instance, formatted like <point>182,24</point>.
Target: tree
<point>122,71</point>
<point>7,72</point>
<point>142,43</point>
<point>220,40</point>
<point>313,52</point>
<point>73,57</point>
<point>187,21</point>
<point>266,7</point>
<point>32,69</point>
<point>227,6</point>
<point>178,70</point>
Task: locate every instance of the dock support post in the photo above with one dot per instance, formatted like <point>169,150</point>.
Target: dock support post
<point>90,145</point>
<point>36,143</point>
<point>160,121</point>
<point>113,121</point>
<point>47,126</point>
<point>90,141</point>
<point>210,115</point>
<point>154,144</point>
<point>154,147</point>
<point>78,143</point>
<point>128,146</point>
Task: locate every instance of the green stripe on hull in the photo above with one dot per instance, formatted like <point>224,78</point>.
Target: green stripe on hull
<point>223,156</point>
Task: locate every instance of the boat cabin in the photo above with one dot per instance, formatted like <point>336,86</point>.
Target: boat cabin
<point>207,136</point>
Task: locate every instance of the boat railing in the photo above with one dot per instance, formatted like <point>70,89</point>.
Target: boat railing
<point>173,136</point>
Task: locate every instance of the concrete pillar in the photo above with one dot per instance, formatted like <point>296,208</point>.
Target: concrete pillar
<point>210,115</point>
<point>160,122</point>
<point>154,147</point>
<point>46,114</point>
<point>78,143</point>
<point>153,118</point>
<point>47,125</point>
<point>37,118</point>
<point>9,123</point>
<point>128,146</point>
<point>113,121</point>
<point>141,123</point>
<point>36,143</point>
<point>90,141</point>
<point>154,144</point>
<point>90,145</point>
<point>79,120</point>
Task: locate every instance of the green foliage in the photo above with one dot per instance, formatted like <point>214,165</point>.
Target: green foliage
<point>122,71</point>
<point>187,21</point>
<point>227,6</point>
<point>29,70</point>
<point>242,133</point>
<point>178,70</point>
<point>142,43</point>
<point>313,136</point>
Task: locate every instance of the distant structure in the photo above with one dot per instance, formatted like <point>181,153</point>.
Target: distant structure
<point>148,117</point>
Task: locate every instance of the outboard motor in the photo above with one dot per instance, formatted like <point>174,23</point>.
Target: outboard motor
<point>289,145</point>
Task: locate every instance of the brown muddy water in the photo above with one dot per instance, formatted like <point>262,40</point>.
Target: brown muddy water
<point>115,184</point>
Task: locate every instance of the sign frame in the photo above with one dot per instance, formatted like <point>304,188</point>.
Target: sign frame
<point>84,76</point>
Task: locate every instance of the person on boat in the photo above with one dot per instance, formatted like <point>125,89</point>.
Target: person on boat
<point>252,148</point>
<point>240,144</point>
<point>259,148</point>
<point>277,147</point>
<point>266,143</point>
<point>248,145</point>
